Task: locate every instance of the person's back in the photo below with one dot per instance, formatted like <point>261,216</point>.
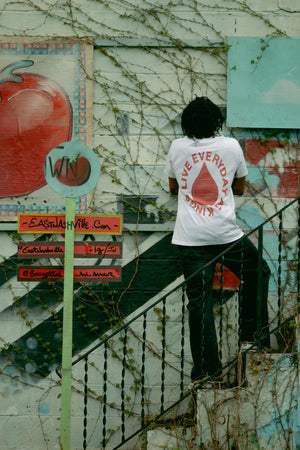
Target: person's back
<point>206,170</point>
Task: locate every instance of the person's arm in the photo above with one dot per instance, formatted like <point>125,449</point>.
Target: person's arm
<point>173,186</point>
<point>238,186</point>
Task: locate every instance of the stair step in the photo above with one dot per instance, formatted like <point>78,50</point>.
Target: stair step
<point>261,414</point>
<point>177,438</point>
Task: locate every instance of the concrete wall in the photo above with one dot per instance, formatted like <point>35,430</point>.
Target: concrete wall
<point>150,59</point>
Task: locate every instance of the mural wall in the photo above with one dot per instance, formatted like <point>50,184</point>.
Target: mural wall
<point>45,101</point>
<point>263,82</point>
<point>148,62</point>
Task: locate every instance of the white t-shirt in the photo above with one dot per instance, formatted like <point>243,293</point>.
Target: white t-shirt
<point>204,170</point>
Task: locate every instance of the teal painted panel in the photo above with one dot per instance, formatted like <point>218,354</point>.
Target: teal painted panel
<point>263,89</point>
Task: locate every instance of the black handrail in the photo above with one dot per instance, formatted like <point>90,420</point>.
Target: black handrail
<point>144,423</point>
<point>197,387</point>
<point>183,283</point>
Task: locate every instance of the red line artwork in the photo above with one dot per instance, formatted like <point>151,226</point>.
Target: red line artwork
<point>35,116</point>
<point>205,190</point>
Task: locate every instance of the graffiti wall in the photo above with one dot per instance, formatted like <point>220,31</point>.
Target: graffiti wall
<point>45,101</point>
<point>144,65</point>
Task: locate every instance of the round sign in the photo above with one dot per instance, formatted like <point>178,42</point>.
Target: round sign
<point>72,169</point>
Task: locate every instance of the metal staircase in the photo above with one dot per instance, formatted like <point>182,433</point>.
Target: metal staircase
<point>140,373</point>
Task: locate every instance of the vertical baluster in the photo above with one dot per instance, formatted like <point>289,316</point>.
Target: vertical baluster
<point>298,265</point>
<point>143,370</point>
<point>182,341</point>
<point>221,304</point>
<point>104,395</point>
<point>123,385</point>
<point>202,324</point>
<point>279,287</point>
<point>163,355</point>
<point>259,286</point>
<point>85,399</point>
<point>240,294</point>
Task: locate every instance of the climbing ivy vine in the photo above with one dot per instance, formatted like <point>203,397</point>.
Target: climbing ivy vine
<point>150,59</point>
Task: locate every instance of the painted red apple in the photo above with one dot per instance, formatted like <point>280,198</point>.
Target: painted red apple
<point>35,117</point>
<point>72,172</point>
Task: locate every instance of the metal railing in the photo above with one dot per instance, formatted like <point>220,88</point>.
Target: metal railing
<point>141,371</point>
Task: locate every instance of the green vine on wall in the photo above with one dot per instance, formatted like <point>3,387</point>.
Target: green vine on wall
<point>150,59</point>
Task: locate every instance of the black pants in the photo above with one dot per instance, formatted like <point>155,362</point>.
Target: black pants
<point>242,260</point>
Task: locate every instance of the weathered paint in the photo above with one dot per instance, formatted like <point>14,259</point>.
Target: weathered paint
<point>153,269</point>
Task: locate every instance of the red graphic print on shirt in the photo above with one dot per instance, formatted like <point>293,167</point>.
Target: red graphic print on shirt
<point>210,185</point>
<point>205,190</point>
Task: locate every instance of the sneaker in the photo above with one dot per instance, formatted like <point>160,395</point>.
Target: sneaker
<point>207,384</point>
<point>248,347</point>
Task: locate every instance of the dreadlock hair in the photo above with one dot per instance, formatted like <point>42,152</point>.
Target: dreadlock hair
<point>201,118</point>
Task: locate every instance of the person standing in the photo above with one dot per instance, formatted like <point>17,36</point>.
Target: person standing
<point>206,169</point>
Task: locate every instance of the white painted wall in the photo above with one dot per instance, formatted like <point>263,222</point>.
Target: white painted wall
<point>30,408</point>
